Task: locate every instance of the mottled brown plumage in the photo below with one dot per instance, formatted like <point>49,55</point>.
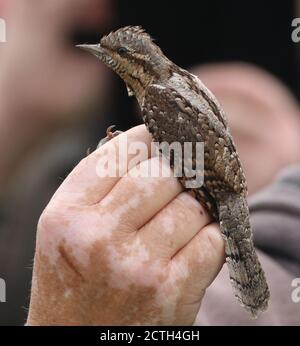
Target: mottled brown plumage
<point>177,107</point>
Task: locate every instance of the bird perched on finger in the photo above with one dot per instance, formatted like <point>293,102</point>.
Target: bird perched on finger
<point>177,107</point>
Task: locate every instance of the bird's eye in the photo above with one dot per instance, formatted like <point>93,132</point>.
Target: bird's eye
<point>122,50</point>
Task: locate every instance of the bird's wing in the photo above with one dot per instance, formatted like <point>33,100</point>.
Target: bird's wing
<point>171,118</point>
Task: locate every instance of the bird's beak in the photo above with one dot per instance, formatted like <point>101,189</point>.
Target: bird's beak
<point>94,49</point>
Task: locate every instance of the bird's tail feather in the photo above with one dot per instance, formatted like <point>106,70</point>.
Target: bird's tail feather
<point>246,274</point>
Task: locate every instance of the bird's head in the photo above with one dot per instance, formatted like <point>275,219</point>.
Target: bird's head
<point>131,53</point>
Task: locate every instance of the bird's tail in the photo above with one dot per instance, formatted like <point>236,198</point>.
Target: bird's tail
<point>246,274</point>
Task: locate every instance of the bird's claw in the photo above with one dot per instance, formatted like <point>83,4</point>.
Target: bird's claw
<point>109,135</point>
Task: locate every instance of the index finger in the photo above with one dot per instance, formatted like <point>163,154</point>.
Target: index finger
<point>87,185</point>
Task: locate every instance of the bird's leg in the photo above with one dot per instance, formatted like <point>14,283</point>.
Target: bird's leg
<point>109,135</point>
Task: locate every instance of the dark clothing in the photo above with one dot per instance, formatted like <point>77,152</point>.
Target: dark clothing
<point>276,220</point>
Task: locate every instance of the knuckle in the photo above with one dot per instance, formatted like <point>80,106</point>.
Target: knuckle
<point>215,238</point>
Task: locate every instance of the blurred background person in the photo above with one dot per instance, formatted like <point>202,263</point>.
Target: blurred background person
<point>51,106</point>
<point>56,102</point>
<point>263,116</point>
<point>44,82</point>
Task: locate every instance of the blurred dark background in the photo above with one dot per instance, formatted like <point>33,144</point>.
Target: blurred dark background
<point>190,33</point>
<point>208,31</point>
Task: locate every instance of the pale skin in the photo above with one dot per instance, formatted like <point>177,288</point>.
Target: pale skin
<point>122,251</point>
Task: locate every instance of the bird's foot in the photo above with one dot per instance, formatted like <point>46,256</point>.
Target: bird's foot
<point>109,135</point>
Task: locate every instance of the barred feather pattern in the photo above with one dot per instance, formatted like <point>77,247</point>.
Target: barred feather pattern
<point>245,271</point>
<point>177,107</point>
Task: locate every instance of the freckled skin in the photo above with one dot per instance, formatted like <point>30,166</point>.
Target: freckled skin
<point>139,301</point>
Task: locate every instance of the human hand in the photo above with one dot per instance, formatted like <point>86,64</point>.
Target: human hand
<point>122,251</point>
